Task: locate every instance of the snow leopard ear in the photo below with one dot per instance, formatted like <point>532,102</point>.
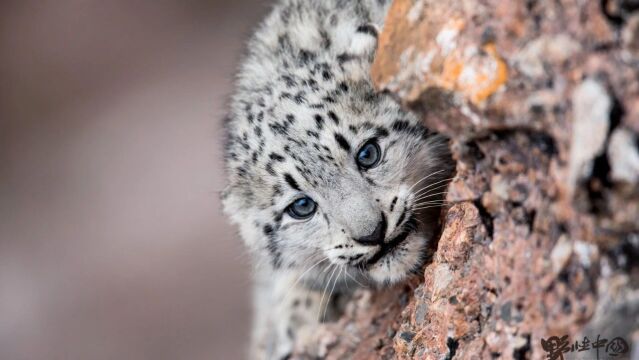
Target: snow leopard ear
<point>360,52</point>
<point>364,42</point>
<point>231,204</point>
<point>235,208</point>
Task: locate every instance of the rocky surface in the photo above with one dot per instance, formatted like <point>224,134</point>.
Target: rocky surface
<point>541,102</point>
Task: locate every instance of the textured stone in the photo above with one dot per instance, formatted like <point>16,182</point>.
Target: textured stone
<point>623,154</point>
<point>541,102</point>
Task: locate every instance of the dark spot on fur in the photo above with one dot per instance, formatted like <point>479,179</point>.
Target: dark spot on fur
<point>278,218</point>
<point>393,203</point>
<point>288,80</point>
<point>333,117</point>
<point>329,99</point>
<point>342,142</point>
<point>319,121</point>
<point>381,132</point>
<point>305,56</point>
<point>344,57</point>
<point>278,129</point>
<point>400,125</point>
<point>285,95</point>
<point>292,183</point>
<point>276,157</point>
<point>276,256</point>
<point>269,168</point>
<point>401,218</point>
<point>299,98</point>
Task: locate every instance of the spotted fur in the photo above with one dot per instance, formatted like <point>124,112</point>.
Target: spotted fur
<point>303,106</point>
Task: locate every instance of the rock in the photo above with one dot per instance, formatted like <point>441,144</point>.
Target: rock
<point>560,254</point>
<point>546,49</point>
<point>407,336</point>
<point>591,120</point>
<point>630,36</point>
<point>623,155</point>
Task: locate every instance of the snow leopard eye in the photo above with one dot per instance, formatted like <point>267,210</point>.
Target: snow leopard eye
<point>368,155</point>
<point>302,208</point>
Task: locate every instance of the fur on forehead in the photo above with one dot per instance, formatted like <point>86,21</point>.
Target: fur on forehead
<point>294,141</point>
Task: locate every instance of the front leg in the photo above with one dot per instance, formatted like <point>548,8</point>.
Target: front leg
<point>287,313</point>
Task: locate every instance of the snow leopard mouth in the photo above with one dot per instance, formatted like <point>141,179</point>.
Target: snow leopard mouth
<point>408,227</point>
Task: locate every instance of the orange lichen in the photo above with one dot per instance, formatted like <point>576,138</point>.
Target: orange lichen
<point>450,73</point>
<point>500,75</point>
<point>477,76</point>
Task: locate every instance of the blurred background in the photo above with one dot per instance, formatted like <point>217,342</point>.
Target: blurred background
<point>112,241</point>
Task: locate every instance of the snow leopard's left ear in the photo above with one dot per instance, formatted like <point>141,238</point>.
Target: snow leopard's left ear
<point>231,204</point>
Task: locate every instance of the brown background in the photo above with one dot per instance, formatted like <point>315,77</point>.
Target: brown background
<point>112,243</point>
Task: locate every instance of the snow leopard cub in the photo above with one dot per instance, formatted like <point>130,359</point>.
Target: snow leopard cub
<point>333,186</point>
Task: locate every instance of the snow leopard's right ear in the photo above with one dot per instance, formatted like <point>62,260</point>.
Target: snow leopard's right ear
<point>364,41</point>
<point>360,50</point>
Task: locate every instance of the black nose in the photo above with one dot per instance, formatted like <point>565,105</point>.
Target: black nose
<point>377,236</point>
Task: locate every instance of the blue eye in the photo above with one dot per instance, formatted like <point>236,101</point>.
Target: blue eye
<point>368,155</point>
<point>302,208</point>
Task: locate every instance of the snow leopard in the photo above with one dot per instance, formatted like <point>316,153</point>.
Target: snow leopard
<point>333,185</point>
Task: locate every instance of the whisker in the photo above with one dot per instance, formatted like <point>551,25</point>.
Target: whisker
<point>319,319</point>
<point>445,181</point>
<point>351,276</point>
<point>431,193</point>
<point>327,268</point>
<point>328,299</point>
<point>431,202</point>
<point>346,282</point>
<point>288,292</point>
<point>436,184</point>
<point>424,178</point>
<point>426,196</point>
<point>427,207</point>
